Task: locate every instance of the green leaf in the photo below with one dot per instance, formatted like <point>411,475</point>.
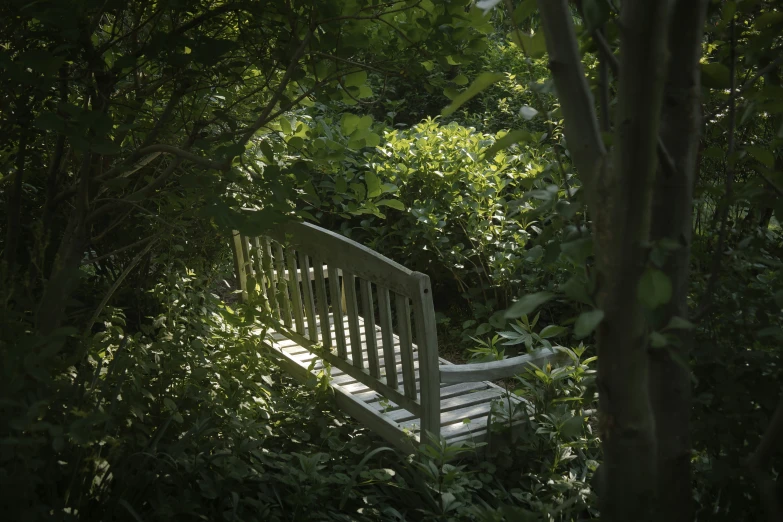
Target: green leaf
<point>510,138</point>
<point>356,79</point>
<point>587,322</point>
<point>460,79</point>
<point>49,121</point>
<point>715,75</point>
<point>572,428</point>
<point>524,11</point>
<point>763,155</point>
<point>372,140</point>
<point>658,340</point>
<point>770,331</point>
<point>596,13</point>
<point>373,184</point>
<point>528,304</point>
<point>535,45</point>
<point>552,331</point>
<point>678,323</point>
<point>349,123</point>
<point>392,203</point>
<point>483,81</point>
<point>768,19</point>
<point>483,328</point>
<point>778,296</point>
<point>105,147</point>
<point>578,250</point>
<point>576,289</point>
<point>266,150</point>
<point>654,288</point>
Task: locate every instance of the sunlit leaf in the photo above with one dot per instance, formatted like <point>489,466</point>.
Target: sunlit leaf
<point>483,81</point>
<point>587,322</point>
<point>528,304</point>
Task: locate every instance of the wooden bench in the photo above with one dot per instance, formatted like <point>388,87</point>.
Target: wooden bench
<point>331,299</point>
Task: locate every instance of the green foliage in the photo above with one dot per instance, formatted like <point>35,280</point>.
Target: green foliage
<point>472,224</point>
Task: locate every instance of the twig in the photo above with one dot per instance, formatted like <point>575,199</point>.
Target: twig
<point>135,261</point>
<point>121,249</point>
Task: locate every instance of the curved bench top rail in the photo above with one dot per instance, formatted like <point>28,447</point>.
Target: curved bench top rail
<point>348,255</point>
<point>459,373</point>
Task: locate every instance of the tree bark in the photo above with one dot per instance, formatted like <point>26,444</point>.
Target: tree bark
<point>621,235</point>
<point>618,197</point>
<point>670,381</point>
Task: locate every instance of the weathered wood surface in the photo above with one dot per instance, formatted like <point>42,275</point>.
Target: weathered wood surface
<point>339,251</point>
<point>394,383</point>
<point>464,408</point>
<point>490,371</point>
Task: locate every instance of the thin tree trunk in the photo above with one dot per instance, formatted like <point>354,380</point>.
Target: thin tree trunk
<point>670,382</point>
<point>618,197</point>
<point>628,426</point>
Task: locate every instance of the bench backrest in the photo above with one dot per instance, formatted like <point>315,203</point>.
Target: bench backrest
<point>302,273</point>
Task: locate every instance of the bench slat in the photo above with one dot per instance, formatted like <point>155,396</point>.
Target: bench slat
<point>387,339</point>
<point>309,303</point>
<point>282,286</point>
<point>296,293</point>
<point>336,298</point>
<point>344,253</point>
<point>239,263</point>
<point>266,262</point>
<point>254,252</point>
<point>352,311</point>
<point>321,303</point>
<point>365,289</point>
<point>406,344</point>
<point>427,339</point>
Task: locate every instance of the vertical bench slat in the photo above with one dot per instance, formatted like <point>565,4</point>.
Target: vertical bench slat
<point>403,308</point>
<point>239,263</point>
<point>296,293</point>
<point>282,285</point>
<point>254,246</point>
<point>337,311</point>
<point>321,303</point>
<point>351,309</point>
<point>266,262</point>
<point>387,336</point>
<point>309,303</point>
<point>368,309</point>
<point>427,342</point>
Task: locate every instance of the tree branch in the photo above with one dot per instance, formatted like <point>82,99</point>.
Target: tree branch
<point>565,63</point>
<point>135,261</point>
<point>663,153</point>
<point>185,155</point>
<point>121,249</point>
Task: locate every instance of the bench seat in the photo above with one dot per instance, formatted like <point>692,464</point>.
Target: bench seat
<point>464,408</point>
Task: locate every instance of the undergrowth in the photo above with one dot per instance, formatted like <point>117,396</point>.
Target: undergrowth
<point>189,419</point>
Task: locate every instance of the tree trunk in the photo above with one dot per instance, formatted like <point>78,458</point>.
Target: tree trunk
<point>618,197</point>
<point>628,426</point>
<point>670,381</point>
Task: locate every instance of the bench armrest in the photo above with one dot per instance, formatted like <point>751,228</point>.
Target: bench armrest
<point>458,373</point>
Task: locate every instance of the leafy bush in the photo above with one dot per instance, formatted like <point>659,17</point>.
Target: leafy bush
<point>482,228</point>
